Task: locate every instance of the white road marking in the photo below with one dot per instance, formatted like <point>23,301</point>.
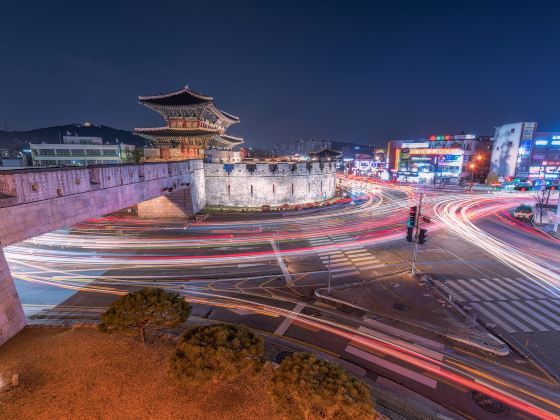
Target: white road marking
<point>474,290</point>
<point>287,275</point>
<point>551,306</point>
<point>283,327</point>
<point>371,267</point>
<point>512,320</point>
<point>523,316</point>
<point>426,342</point>
<point>537,315</point>
<point>422,350</point>
<point>454,286</point>
<point>346,274</point>
<point>357,251</point>
<point>529,290</point>
<point>393,367</point>
<point>490,315</point>
<point>496,290</point>
<point>367,258</point>
<point>531,284</point>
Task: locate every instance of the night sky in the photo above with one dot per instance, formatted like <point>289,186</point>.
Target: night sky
<point>348,71</point>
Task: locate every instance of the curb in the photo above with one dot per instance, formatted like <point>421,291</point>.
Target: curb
<point>544,232</point>
<point>487,348</point>
<point>498,350</point>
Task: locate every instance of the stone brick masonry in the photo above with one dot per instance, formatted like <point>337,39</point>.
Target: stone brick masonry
<point>37,201</point>
<point>34,202</point>
<point>255,185</point>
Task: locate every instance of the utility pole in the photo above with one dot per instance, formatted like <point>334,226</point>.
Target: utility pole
<point>329,287</point>
<point>417,226</point>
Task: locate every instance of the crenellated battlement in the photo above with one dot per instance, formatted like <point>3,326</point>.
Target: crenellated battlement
<point>268,183</point>
<point>269,169</point>
<point>34,184</point>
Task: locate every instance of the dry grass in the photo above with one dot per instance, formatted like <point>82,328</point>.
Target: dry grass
<point>83,374</point>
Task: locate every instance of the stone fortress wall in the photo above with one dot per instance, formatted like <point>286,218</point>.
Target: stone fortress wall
<point>40,200</point>
<point>178,204</point>
<point>274,184</point>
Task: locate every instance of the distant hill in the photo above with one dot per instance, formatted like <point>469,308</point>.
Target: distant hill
<point>21,139</point>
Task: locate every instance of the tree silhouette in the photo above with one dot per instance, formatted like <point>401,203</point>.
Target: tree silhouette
<point>148,306</point>
<point>217,352</point>
<point>305,387</point>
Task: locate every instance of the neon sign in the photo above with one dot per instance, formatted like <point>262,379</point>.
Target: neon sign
<point>455,137</point>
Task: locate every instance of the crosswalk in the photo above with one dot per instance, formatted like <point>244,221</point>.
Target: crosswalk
<point>350,261</point>
<point>518,305</point>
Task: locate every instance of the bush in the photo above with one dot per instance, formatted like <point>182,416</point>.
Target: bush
<point>305,387</point>
<point>149,306</point>
<point>217,352</point>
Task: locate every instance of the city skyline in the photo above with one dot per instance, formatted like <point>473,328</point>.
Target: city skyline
<point>366,74</point>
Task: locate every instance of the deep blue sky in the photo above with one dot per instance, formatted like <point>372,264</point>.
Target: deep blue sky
<point>348,71</point>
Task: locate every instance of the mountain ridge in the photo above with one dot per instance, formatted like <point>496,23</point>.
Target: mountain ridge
<point>20,139</point>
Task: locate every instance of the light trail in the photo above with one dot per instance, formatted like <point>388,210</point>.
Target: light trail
<point>457,217</point>
<point>62,260</point>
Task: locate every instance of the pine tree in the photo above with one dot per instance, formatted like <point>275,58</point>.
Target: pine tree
<point>305,387</point>
<point>217,352</point>
<point>148,306</point>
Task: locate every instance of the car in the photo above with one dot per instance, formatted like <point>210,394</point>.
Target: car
<point>523,186</point>
<point>523,212</point>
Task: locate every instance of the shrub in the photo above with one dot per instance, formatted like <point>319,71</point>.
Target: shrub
<point>148,306</point>
<point>217,352</point>
<point>305,387</point>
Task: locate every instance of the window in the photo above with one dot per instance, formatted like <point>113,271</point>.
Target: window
<point>63,152</point>
<point>93,152</point>
<point>251,190</point>
<point>292,188</point>
<point>109,152</point>
<point>46,152</point>
<point>77,152</point>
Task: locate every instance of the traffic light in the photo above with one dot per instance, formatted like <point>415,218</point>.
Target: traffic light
<point>412,216</point>
<point>422,236</point>
<point>409,233</point>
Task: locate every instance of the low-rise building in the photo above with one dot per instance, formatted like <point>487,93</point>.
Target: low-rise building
<point>523,153</point>
<point>446,159</point>
<point>12,159</point>
<point>78,151</point>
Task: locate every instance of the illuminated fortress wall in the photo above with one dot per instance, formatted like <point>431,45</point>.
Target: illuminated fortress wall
<point>255,185</point>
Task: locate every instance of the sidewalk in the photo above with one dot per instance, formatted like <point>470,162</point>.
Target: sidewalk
<point>547,229</point>
<point>413,302</point>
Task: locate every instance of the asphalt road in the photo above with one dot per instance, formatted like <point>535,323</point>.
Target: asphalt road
<point>262,272</point>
